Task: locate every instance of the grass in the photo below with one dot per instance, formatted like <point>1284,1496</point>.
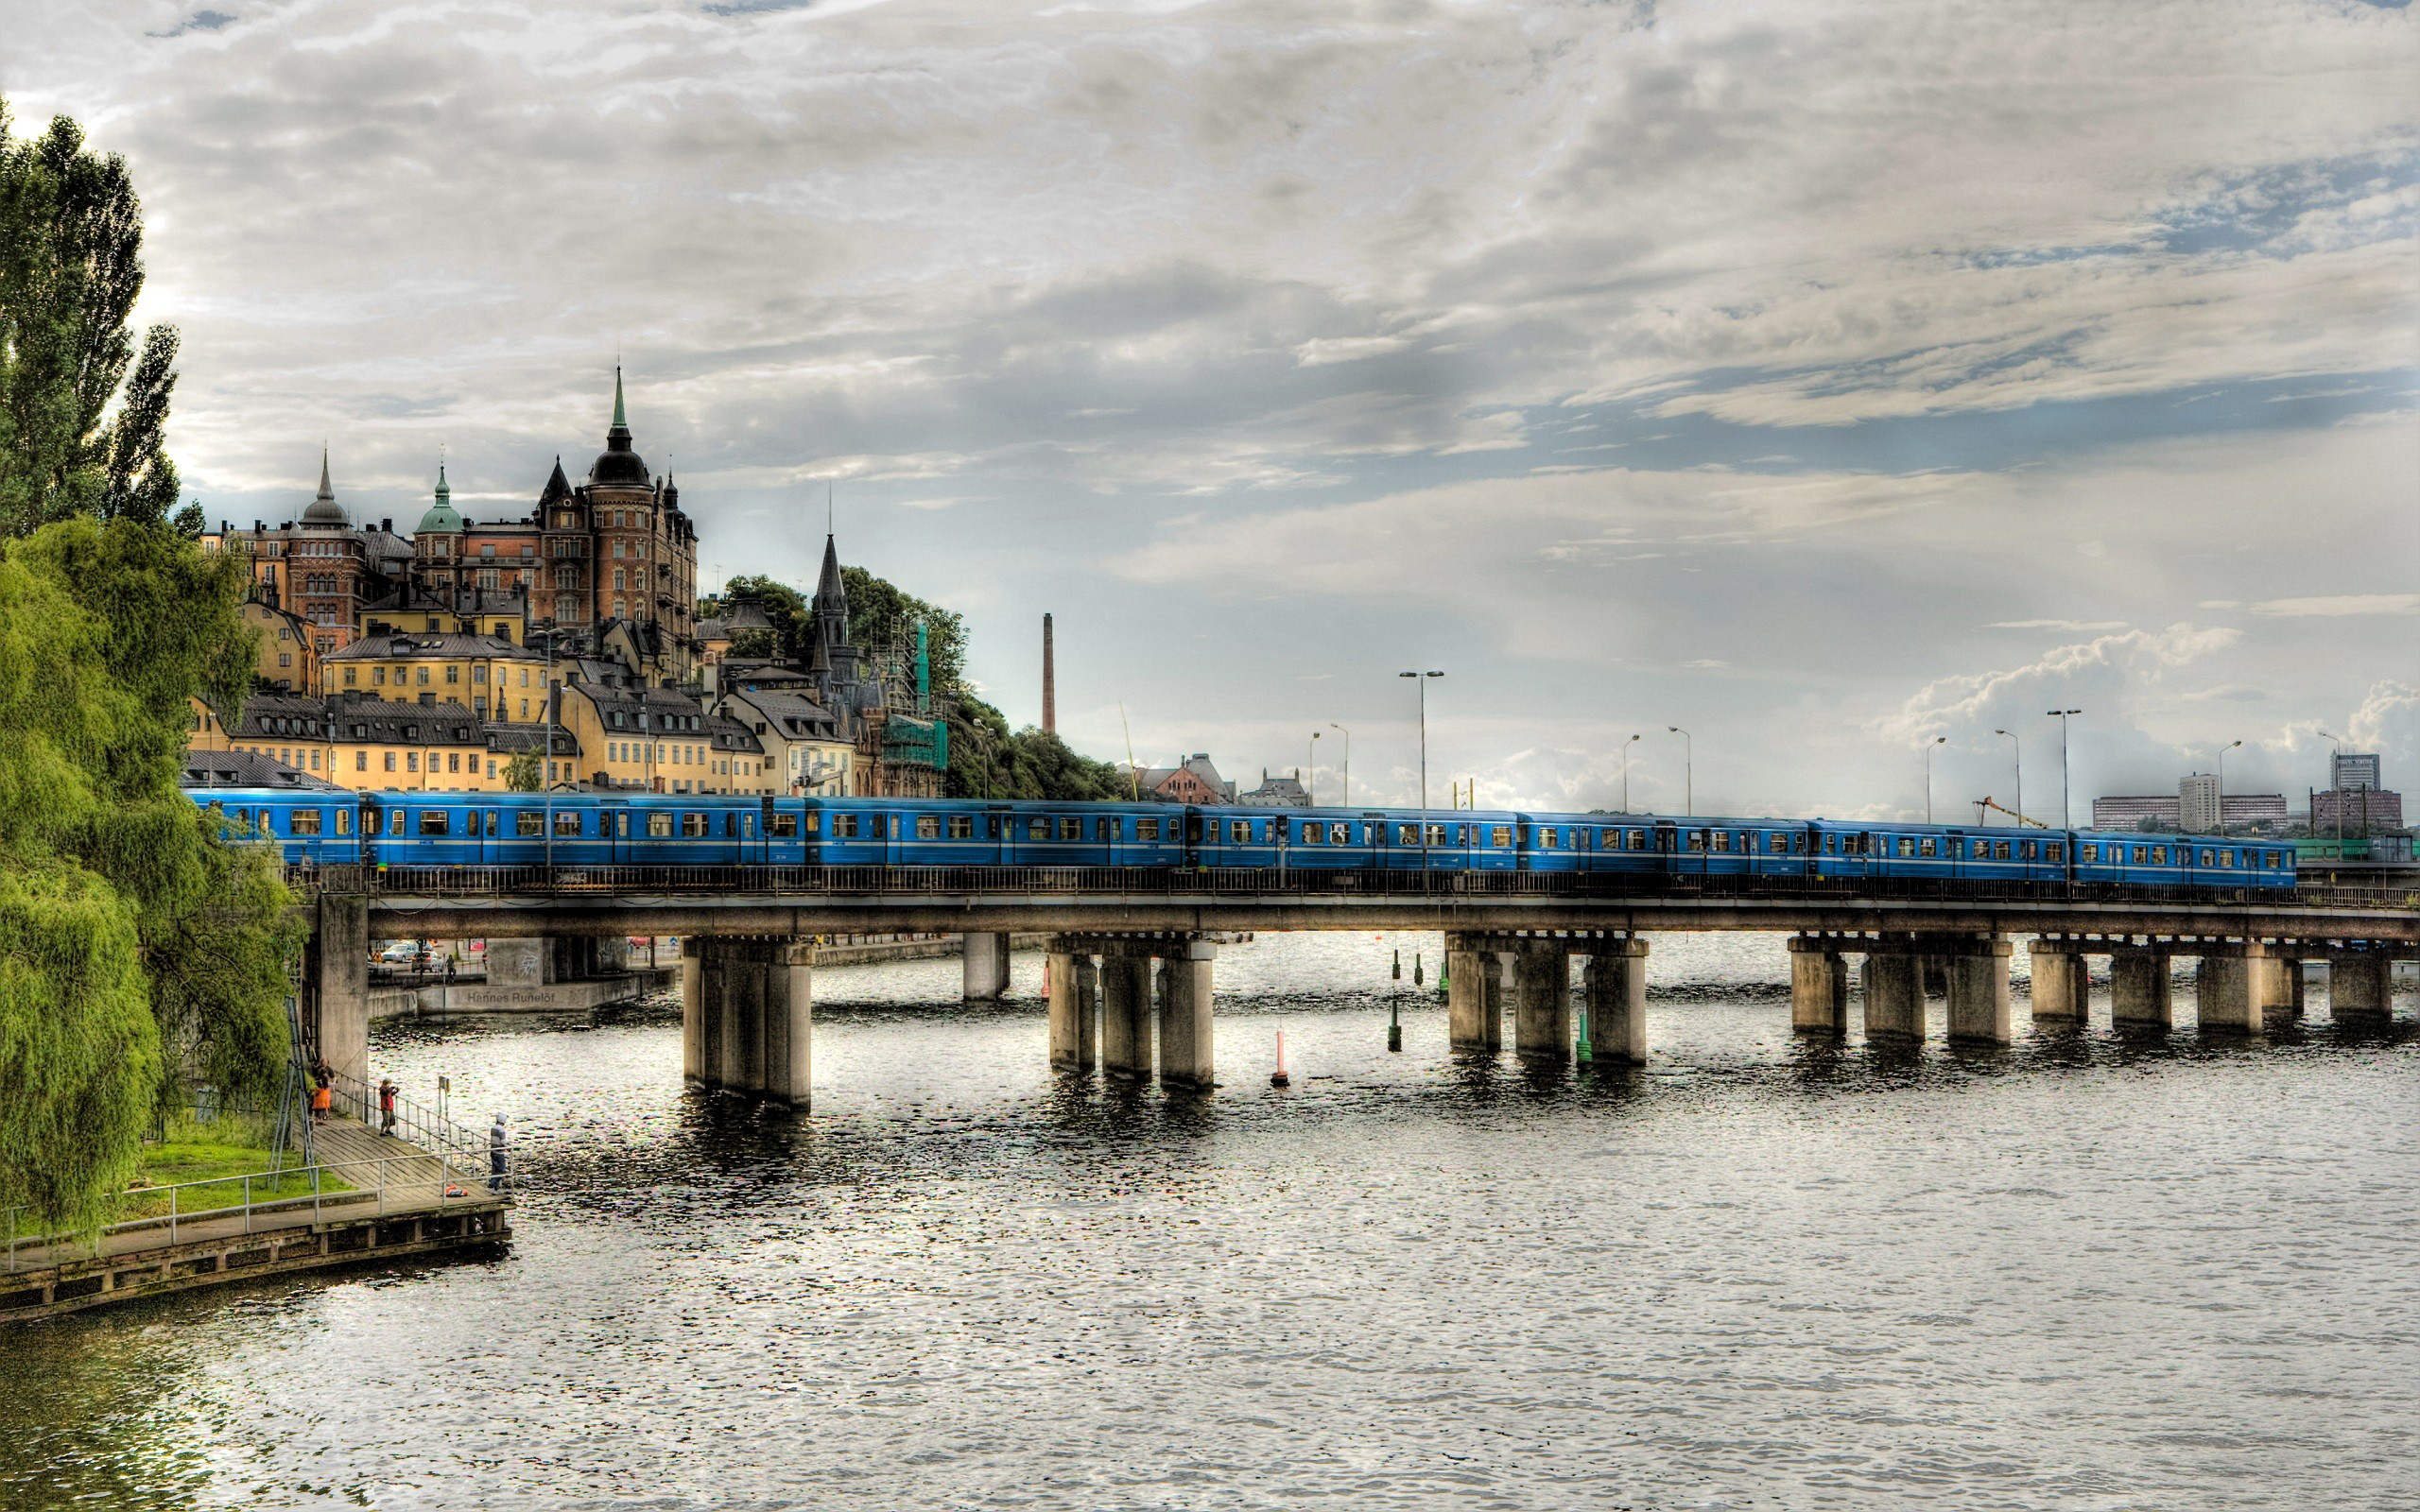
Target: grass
<point>221,1154</point>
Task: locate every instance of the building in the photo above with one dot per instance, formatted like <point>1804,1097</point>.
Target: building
<point>497,678</point>
<point>369,744</point>
<point>1194,780</point>
<point>1276,793</point>
<point>2159,809</point>
<point>2355,811</point>
<point>242,768</point>
<point>322,571</point>
<point>641,738</point>
<point>801,740</point>
<point>2197,803</point>
<point>2355,769</point>
<point>288,659</point>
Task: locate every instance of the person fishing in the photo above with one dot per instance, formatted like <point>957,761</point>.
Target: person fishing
<point>496,1155</point>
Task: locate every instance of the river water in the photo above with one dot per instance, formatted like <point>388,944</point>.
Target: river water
<point>2085,1272</point>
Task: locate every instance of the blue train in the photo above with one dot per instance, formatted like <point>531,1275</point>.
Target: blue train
<point>589,830</point>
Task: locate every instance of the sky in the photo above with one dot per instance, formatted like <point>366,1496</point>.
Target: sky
<point>1835,381</point>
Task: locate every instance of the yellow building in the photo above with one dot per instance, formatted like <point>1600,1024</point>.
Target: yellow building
<point>490,677</point>
<point>376,744</point>
<point>658,740</point>
<point>287,659</point>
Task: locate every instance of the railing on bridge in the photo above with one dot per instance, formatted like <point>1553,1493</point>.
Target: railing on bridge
<point>414,1123</point>
<point>859,881</point>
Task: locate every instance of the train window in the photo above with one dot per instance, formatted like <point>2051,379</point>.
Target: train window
<point>344,821</point>
<point>1722,840</point>
<point>1697,840</point>
<point>1147,829</point>
<point>432,822</point>
<point>844,826</point>
<point>928,827</point>
<point>1071,828</point>
<point>1339,835</point>
<point>1638,839</point>
<point>1547,838</point>
<point>1928,846</point>
<point>1109,830</point>
<point>2142,855</point>
<point>2054,851</point>
<point>785,826</point>
<point>1314,833</point>
<point>2000,850</point>
<point>814,822</point>
<point>303,822</point>
<point>1501,836</point>
<point>1777,843</point>
<point>962,826</point>
<point>2226,860</point>
<point>2209,857</point>
<point>2028,849</point>
<point>877,826</point>
<point>528,822</point>
<point>1406,834</point>
<point>693,826</point>
<point>1907,846</point>
<point>659,826</point>
<point>395,821</point>
<point>1037,830</point>
<point>731,823</point>
<point>567,824</point>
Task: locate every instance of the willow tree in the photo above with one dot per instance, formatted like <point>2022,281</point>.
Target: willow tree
<point>139,950</point>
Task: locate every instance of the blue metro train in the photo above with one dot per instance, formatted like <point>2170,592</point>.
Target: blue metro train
<point>589,830</point>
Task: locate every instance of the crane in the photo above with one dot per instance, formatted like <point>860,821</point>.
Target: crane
<point>1985,802</point>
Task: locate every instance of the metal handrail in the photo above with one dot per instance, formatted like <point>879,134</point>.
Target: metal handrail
<point>420,1125</point>
<point>457,1182</point>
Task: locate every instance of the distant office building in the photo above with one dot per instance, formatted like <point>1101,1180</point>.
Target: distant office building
<point>2197,803</point>
<point>2252,811</point>
<point>2356,809</point>
<point>2129,813</point>
<point>2355,770</point>
<point>1279,792</point>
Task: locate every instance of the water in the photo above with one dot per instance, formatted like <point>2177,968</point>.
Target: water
<point>2085,1272</point>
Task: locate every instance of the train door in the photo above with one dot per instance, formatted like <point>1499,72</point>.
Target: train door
<point>1670,858</point>
<point>614,836</point>
<point>1194,822</point>
<point>490,830</point>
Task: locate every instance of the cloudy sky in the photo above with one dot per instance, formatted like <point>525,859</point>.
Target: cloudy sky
<point>1820,378</point>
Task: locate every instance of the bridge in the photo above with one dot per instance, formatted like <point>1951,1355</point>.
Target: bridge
<point>1133,952</point>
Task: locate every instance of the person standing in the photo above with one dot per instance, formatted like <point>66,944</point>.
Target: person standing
<point>386,1104</point>
<point>496,1155</point>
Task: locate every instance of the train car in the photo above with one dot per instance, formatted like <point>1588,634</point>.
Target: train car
<point>1245,839</point>
<point>1618,844</point>
<point>309,827</point>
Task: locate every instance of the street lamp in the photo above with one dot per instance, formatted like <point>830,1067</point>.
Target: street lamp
<point>1347,799</point>
<point>2066,819</point>
<point>2335,786</point>
<point>1626,745</point>
<point>2020,771</point>
<point>1420,680</point>
<point>1937,740</point>
<point>1311,775</point>
<point>1688,772</point>
<point>2222,815</point>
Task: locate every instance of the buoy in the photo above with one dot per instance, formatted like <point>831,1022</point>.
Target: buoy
<point>1415,967</point>
<point>1398,966</point>
<point>1278,1077</point>
<point>1394,1026</point>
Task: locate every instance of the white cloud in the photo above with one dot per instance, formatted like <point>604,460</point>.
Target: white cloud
<point>2337,606</point>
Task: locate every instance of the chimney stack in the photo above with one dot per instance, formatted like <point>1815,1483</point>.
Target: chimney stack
<point>1050,682</point>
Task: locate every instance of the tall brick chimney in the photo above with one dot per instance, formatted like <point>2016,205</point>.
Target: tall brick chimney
<point>1050,682</point>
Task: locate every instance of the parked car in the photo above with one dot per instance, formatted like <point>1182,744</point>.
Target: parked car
<point>402,953</point>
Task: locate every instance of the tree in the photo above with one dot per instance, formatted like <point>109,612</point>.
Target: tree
<point>988,760</point>
<point>71,236</point>
<point>781,603</point>
<point>521,772</point>
<point>883,614</point>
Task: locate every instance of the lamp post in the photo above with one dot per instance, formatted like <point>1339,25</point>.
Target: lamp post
<point>1626,745</point>
<point>2020,772</point>
<point>1311,775</point>
<point>2335,786</point>
<point>1420,680</point>
<point>1938,741</point>
<point>1688,772</point>
<point>548,768</point>
<point>2220,817</point>
<point>1346,782</point>
<point>2066,784</point>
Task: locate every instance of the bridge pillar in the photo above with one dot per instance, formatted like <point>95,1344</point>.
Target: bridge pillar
<point>2232,989</point>
<point>1474,994</point>
<point>1542,1000</point>
<point>1126,1011</point>
<point>2294,986</point>
<point>2062,981</point>
<point>336,983</point>
<point>1819,985</point>
<point>2139,986</point>
<point>1616,989</point>
<point>747,1016</point>
<point>987,967</point>
<point>1894,991</point>
<point>2359,984</point>
<point>520,962</point>
<point>1074,1001</point>
<point>1975,977</point>
<point>1184,1015</point>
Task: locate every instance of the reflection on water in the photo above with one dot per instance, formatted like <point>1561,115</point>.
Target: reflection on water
<point>2087,1269</point>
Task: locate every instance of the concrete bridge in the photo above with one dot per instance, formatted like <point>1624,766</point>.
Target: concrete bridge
<point>1132,954</point>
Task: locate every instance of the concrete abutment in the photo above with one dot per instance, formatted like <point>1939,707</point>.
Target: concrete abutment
<point>748,1017</point>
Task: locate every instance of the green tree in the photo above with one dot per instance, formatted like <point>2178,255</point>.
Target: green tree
<point>779,602</point>
<point>521,772</point>
<point>881,613</point>
<point>80,433</point>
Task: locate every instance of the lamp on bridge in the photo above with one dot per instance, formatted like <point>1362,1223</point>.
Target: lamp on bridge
<point>1626,745</point>
<point>1688,772</point>
<point>2067,818</point>
<point>1937,740</point>
<point>1420,680</point>
<point>2020,778</point>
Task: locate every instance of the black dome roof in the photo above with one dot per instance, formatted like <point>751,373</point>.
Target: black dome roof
<point>617,463</point>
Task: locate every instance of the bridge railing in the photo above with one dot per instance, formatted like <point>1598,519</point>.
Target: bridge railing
<point>863,880</point>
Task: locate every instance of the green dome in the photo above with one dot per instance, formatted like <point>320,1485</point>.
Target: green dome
<point>442,519</point>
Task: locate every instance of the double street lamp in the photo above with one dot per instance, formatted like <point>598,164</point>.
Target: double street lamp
<point>1420,680</point>
<point>2020,772</point>
<point>2066,819</point>
<point>1626,745</point>
<point>1937,742</point>
<point>1688,772</point>
<point>2218,820</point>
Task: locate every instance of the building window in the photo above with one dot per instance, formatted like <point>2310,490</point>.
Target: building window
<point>377,675</point>
<point>361,761</point>
<point>453,674</point>
<point>424,677</point>
<point>411,761</point>
<point>391,760</point>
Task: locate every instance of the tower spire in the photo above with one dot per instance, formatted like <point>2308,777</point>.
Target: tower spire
<point>621,424</point>
<point>327,494</point>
